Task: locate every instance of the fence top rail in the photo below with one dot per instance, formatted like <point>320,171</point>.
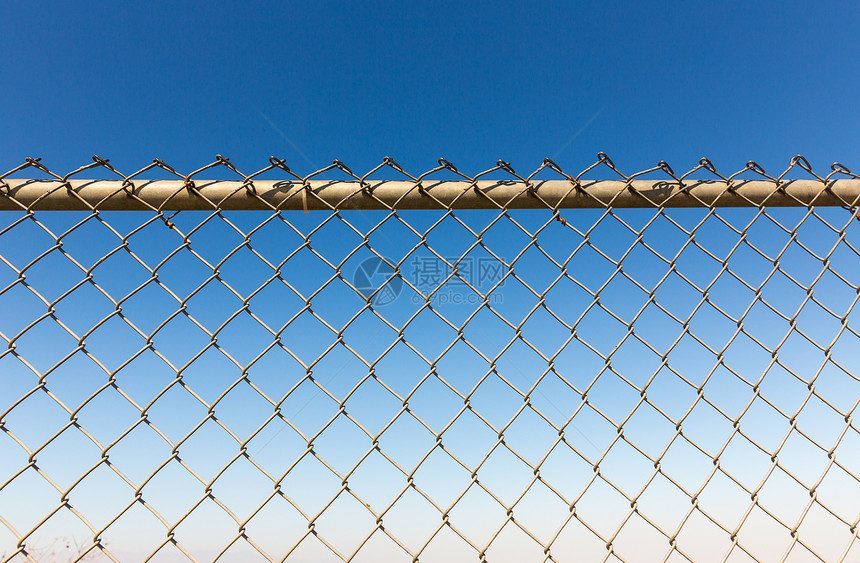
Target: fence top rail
<point>499,187</point>
<point>21,194</point>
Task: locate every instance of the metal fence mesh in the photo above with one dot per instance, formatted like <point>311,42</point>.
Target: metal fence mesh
<point>375,382</point>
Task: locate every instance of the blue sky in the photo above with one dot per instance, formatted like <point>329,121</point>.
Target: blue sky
<point>473,83</point>
<point>476,82</point>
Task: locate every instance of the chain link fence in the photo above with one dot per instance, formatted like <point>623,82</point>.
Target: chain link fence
<point>443,366</point>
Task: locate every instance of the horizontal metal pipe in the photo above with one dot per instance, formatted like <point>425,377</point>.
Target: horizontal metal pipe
<point>174,195</point>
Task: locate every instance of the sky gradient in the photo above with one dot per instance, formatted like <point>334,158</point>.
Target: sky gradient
<point>471,83</point>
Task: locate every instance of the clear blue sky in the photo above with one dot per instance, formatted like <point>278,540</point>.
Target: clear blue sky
<point>314,81</point>
<point>470,82</point>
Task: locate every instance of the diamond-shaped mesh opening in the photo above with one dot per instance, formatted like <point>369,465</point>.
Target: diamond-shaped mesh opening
<point>444,367</point>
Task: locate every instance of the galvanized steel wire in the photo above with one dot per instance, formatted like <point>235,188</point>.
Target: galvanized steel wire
<point>828,203</point>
